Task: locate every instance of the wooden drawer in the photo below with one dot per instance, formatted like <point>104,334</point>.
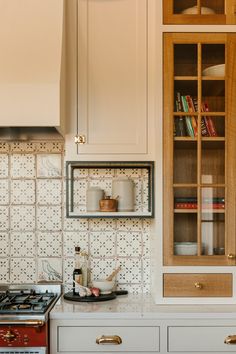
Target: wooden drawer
<point>200,339</point>
<point>83,339</point>
<point>198,285</point>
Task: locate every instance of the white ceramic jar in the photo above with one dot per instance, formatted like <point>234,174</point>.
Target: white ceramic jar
<point>93,196</point>
<point>123,190</point>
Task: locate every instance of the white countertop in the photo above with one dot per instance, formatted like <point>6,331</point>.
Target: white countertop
<point>137,307</point>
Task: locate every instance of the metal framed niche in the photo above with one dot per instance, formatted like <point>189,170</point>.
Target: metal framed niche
<point>80,175</point>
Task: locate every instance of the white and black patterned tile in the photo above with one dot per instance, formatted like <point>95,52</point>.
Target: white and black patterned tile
<point>22,244</point>
<point>102,268</point>
<point>102,244</point>
<point>147,225</point>
<point>49,147</point>
<point>129,244</point>
<point>5,273</point>
<point>49,191</point>
<point>72,224</point>
<point>4,218</point>
<point>146,268</point>
<point>129,224</point>
<point>49,244</point>
<point>81,173</point>
<point>19,146</point>
<point>102,224</point>
<point>4,191</point>
<point>49,218</point>
<point>145,191</point>
<point>138,194</point>
<point>4,147</point>
<point>130,270</point>
<point>80,188</point>
<point>69,265</point>
<point>73,239</point>
<point>23,270</point>
<point>146,288</point>
<point>128,172</point>
<point>22,191</point>
<point>49,269</point>
<point>22,218</point>
<point>136,289</point>
<point>4,244</point>
<point>4,165</point>
<point>49,165</point>
<point>22,165</point>
<point>101,173</point>
<point>146,244</point>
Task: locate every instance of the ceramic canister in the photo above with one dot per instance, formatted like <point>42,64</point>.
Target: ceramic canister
<point>93,196</point>
<point>123,190</point>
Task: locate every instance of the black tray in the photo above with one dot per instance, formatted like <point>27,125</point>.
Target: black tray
<point>70,296</point>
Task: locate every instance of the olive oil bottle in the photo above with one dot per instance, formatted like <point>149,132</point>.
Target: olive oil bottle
<point>77,273</point>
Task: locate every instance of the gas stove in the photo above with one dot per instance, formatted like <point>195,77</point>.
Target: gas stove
<point>24,315</point>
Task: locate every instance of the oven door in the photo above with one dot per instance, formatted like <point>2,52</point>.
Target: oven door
<point>27,350</point>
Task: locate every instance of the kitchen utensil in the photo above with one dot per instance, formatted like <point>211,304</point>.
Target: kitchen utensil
<point>93,196</point>
<point>215,70</point>
<point>104,285</point>
<point>185,248</point>
<point>113,274</point>
<point>194,10</point>
<point>108,204</point>
<point>123,188</point>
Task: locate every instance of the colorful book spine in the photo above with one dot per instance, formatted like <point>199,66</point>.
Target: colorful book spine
<point>209,121</point>
<point>190,129</point>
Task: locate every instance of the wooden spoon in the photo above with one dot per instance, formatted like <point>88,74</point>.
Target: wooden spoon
<point>113,274</point>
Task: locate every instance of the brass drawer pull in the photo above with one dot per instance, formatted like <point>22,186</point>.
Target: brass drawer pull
<point>230,339</point>
<point>80,139</point>
<point>231,256</point>
<point>109,340</point>
<point>198,286</point>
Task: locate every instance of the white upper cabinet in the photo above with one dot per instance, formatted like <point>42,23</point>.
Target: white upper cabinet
<point>31,33</point>
<point>112,76</point>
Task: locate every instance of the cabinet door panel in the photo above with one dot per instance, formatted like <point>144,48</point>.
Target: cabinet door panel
<point>112,76</point>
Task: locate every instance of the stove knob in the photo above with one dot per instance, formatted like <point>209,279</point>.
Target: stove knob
<point>9,336</point>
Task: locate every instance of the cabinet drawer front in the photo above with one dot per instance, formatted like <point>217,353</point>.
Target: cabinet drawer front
<point>197,285</point>
<point>200,339</point>
<point>83,339</point>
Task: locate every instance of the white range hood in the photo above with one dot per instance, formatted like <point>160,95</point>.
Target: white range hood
<point>31,48</point>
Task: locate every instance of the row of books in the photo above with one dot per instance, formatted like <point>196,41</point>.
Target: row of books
<point>187,125</point>
<point>191,203</point>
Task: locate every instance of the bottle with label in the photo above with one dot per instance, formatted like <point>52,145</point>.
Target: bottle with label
<point>84,268</point>
<point>77,273</point>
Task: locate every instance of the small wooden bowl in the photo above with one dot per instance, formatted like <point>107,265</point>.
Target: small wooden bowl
<point>108,204</point>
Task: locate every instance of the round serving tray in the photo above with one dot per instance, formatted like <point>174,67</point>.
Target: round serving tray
<point>70,296</point>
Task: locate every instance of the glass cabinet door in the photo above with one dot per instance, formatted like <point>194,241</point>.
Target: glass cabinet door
<point>199,157</point>
<point>198,12</point>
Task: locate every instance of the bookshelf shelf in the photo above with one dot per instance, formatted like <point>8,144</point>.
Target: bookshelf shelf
<point>199,158</point>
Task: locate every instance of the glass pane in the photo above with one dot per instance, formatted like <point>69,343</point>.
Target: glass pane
<point>213,54</point>
<point>185,59</point>
<point>213,96</point>
<point>185,198</point>
<point>215,6</point>
<point>185,162</point>
<point>184,6</point>
<point>213,221</point>
<point>185,234</point>
<point>213,162</point>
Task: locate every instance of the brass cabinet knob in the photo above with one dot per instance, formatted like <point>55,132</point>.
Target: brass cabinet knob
<point>9,336</point>
<point>80,139</point>
<point>109,340</point>
<point>231,256</point>
<point>230,339</point>
<point>198,285</point>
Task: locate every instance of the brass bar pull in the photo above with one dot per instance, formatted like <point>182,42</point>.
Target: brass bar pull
<point>109,340</point>
<point>198,286</point>
<point>230,339</point>
<point>231,256</point>
<point>34,323</point>
<point>80,139</point>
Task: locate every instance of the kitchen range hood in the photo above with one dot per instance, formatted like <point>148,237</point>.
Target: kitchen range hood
<point>31,63</point>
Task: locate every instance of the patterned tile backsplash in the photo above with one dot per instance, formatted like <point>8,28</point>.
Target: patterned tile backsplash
<point>36,239</point>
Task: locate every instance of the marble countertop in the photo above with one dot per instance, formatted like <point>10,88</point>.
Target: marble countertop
<point>137,307</point>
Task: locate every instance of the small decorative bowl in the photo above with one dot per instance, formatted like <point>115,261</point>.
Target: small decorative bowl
<point>105,286</point>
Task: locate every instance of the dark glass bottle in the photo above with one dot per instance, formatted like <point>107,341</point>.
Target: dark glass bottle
<point>77,273</point>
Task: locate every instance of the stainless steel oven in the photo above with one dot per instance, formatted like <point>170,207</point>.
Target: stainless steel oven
<point>24,317</point>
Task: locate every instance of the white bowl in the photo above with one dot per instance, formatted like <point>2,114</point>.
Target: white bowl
<point>215,70</point>
<point>193,11</point>
<point>185,248</point>
<point>105,286</point>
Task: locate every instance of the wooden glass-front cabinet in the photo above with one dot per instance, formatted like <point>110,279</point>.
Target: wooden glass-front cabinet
<point>199,12</point>
<point>199,148</point>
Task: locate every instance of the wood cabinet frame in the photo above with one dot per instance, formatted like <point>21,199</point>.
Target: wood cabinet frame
<point>229,40</point>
